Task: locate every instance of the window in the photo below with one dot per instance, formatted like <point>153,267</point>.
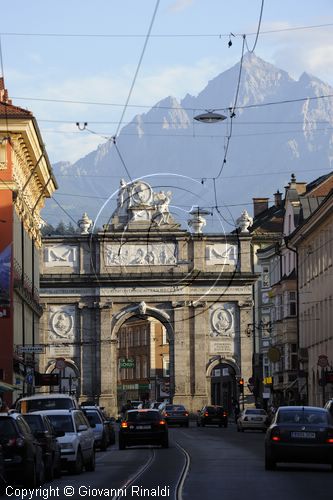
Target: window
<point>265,277</point>
<point>137,367</point>
<point>279,307</point>
<point>292,309</point>
<point>166,366</point>
<point>164,338</point>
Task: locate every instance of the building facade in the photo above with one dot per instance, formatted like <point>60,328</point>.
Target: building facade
<point>143,266</point>
<point>313,241</point>
<point>26,179</point>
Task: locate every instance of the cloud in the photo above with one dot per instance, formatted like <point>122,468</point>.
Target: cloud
<point>180,5</point>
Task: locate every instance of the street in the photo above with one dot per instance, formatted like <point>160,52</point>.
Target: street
<point>200,463</point>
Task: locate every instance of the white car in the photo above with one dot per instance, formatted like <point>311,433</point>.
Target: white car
<point>45,402</point>
<point>77,444</point>
<point>252,418</point>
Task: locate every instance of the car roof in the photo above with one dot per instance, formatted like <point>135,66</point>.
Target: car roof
<point>300,408</point>
<point>143,410</point>
<point>46,396</point>
<point>68,411</point>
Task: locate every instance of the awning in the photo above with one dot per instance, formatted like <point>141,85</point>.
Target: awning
<point>4,387</point>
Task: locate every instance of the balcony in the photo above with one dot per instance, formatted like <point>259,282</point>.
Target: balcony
<point>24,287</point>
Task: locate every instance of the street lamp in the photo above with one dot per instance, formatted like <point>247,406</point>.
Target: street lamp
<point>210,117</point>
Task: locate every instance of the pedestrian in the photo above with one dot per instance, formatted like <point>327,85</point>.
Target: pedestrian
<point>125,408</point>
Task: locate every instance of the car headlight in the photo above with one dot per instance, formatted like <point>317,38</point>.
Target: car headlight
<point>66,446</point>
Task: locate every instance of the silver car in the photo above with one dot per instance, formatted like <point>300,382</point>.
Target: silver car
<point>252,418</point>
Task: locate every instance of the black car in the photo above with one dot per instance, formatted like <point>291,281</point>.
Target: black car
<point>44,432</point>
<point>212,415</point>
<point>143,427</point>
<point>3,482</point>
<point>176,414</point>
<point>22,453</point>
<point>299,434</point>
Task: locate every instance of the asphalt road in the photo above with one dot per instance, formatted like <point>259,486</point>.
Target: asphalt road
<point>210,462</point>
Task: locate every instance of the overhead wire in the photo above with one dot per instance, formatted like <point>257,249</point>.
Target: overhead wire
<point>258,29</point>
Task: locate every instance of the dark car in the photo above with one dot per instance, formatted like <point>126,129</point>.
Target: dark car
<point>212,415</point>
<point>299,434</point>
<point>22,452</point>
<point>3,482</point>
<point>176,414</point>
<point>141,427</point>
<point>44,432</point>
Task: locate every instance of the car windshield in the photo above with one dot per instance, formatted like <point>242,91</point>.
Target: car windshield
<point>142,416</point>
<point>93,417</point>
<point>175,408</point>
<point>255,411</point>
<point>7,429</point>
<point>62,423</point>
<point>301,417</point>
<point>35,422</point>
<point>45,404</point>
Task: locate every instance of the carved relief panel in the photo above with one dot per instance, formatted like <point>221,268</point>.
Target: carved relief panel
<point>223,328</point>
<point>138,255</point>
<point>61,332</point>
<point>60,256</point>
<point>221,253</point>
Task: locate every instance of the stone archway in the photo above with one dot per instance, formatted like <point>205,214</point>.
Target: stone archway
<point>69,377</point>
<point>221,387</point>
<point>109,372</point>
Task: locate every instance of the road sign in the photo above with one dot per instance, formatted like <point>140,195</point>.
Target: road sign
<point>31,349</point>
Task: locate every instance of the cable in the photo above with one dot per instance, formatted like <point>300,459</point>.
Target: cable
<point>258,30</point>
<point>138,67</point>
<point>95,103</point>
<point>163,35</point>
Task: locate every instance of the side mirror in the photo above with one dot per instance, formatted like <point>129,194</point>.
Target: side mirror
<point>82,428</point>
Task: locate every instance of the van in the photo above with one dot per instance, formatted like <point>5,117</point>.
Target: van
<point>43,402</point>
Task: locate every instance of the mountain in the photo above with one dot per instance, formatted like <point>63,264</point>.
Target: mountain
<point>175,152</point>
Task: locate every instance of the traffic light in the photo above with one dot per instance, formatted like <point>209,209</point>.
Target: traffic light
<point>241,385</point>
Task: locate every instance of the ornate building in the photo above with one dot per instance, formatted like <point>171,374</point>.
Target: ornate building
<point>26,179</point>
<point>144,266</point>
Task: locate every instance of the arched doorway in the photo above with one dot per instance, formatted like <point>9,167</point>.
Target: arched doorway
<point>69,377</point>
<point>223,384</point>
<point>143,361</point>
<point>142,355</point>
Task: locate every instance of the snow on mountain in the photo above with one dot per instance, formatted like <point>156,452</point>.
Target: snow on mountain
<point>179,154</point>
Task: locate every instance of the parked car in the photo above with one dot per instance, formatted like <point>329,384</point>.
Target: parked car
<point>176,414</point>
<point>107,421</point>
<point>141,427</point>
<point>299,434</point>
<point>329,406</point>
<point>252,418</point>
<point>212,415</point>
<point>99,426</point>
<point>42,402</point>
<point>77,443</point>
<point>45,434</point>
<point>22,453</point>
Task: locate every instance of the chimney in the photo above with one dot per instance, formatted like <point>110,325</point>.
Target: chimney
<point>278,199</point>
<point>259,205</point>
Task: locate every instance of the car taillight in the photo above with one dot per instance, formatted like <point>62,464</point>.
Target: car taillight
<point>186,414</point>
<point>206,414</point>
<point>167,414</point>
<point>162,422</point>
<point>16,441</point>
<point>329,437</point>
<point>124,425</point>
<point>275,435</point>
<point>225,414</point>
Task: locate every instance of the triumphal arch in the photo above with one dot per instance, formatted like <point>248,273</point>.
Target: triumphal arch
<point>144,265</point>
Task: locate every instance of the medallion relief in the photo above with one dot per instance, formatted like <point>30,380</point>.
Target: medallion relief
<point>62,322</point>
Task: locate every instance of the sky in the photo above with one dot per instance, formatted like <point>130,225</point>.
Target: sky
<point>78,50</point>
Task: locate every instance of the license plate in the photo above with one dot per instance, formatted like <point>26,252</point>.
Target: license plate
<point>143,426</point>
<point>215,419</point>
<point>305,435</point>
<point>257,419</point>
